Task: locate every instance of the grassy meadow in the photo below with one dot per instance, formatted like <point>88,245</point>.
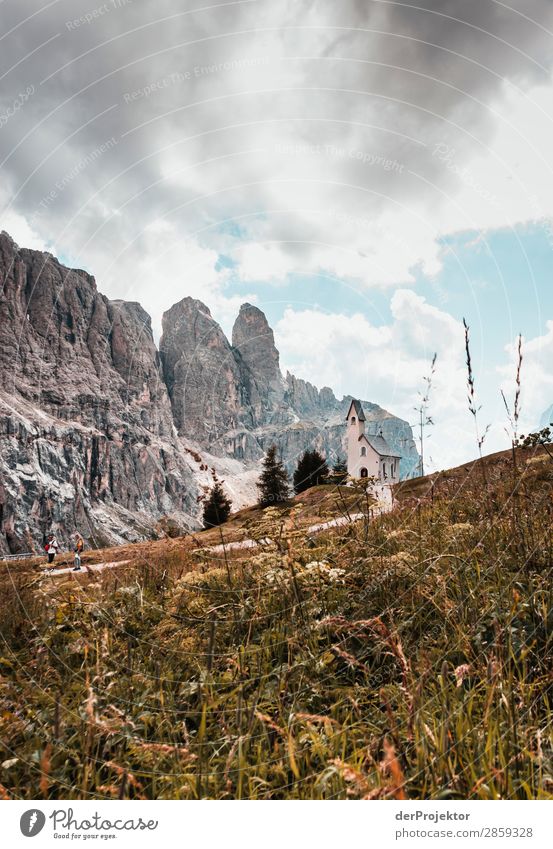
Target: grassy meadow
<point>407,656</point>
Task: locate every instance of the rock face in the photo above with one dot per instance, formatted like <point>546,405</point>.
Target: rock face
<point>86,430</point>
<point>101,433</point>
<point>254,347</point>
<point>200,371</point>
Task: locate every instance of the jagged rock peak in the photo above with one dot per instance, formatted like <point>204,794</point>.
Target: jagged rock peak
<point>200,371</point>
<point>186,319</point>
<point>252,324</point>
<point>253,312</point>
<point>8,238</point>
<point>136,310</point>
<point>306,399</point>
<point>41,261</point>
<point>254,340</point>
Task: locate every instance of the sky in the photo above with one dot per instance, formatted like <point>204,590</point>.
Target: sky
<point>368,172</point>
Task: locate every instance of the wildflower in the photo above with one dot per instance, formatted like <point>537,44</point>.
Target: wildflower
<point>461,673</point>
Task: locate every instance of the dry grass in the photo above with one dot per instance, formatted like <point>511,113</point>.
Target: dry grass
<point>407,657</point>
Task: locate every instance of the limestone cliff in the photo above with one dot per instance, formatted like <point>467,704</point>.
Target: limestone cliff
<point>87,438</point>
<point>254,347</point>
<point>201,373</point>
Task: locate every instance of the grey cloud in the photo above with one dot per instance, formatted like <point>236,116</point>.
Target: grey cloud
<point>240,86</point>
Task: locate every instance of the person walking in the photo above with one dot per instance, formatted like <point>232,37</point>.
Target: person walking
<point>79,546</point>
<point>51,548</point>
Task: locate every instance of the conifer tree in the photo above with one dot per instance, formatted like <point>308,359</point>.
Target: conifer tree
<point>273,484</point>
<point>311,471</point>
<point>339,473</point>
<point>216,507</point>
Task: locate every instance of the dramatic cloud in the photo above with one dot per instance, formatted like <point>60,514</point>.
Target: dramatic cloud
<point>185,149</point>
<point>288,135</point>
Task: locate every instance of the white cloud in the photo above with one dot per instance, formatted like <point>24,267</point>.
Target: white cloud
<point>508,178</point>
<point>536,377</point>
<point>21,231</point>
<point>388,363</point>
<point>261,262</point>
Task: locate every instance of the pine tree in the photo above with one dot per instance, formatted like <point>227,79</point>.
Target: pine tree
<point>273,484</point>
<point>216,507</point>
<point>311,471</point>
<point>339,472</point>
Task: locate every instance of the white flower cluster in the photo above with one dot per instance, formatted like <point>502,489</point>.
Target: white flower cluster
<point>322,569</point>
<point>312,572</point>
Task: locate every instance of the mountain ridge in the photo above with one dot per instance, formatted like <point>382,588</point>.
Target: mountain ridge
<point>104,432</point>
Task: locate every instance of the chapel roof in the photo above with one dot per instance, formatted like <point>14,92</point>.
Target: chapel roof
<point>358,409</point>
<point>379,444</point>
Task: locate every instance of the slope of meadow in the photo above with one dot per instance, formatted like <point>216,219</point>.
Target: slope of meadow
<point>407,656</point>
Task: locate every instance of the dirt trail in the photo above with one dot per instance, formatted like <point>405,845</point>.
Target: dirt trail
<point>383,504</point>
<point>93,567</point>
<point>312,529</point>
<point>222,547</point>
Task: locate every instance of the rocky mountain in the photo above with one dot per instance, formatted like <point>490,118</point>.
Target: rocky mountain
<point>234,399</point>
<point>86,428</point>
<point>101,432</point>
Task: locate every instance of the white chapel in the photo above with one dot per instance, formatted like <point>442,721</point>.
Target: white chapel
<point>369,456</point>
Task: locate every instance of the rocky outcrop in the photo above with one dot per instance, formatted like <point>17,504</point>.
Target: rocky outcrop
<point>254,347</point>
<point>101,433</point>
<point>306,399</point>
<point>86,430</point>
<point>201,373</point>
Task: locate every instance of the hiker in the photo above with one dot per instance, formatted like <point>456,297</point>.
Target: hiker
<point>79,545</point>
<point>51,547</point>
